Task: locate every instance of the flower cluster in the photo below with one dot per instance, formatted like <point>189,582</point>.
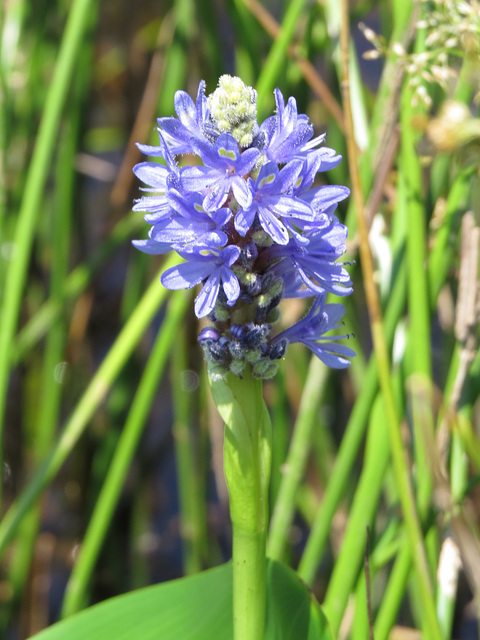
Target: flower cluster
<point>248,224</point>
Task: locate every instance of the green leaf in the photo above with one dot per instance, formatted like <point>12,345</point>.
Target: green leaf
<point>293,613</point>
<point>197,608</point>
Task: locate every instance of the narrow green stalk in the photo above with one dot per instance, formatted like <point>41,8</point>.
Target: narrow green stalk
<point>69,50</point>
<point>348,563</point>
<point>91,399</point>
<point>407,499</point>
<point>247,463</point>
<point>439,175</point>
<point>192,520</point>
<point>453,412</point>
<point>359,111</point>
<point>419,381</point>
<point>247,61</point>
<point>176,63</point>
<point>137,273</point>
<point>100,520</point>
<point>281,435</point>
<point>400,465</point>
<point>350,442</point>
<point>73,285</point>
<point>44,422</point>
<point>360,622</point>
<point>444,245</point>
<point>384,117</point>
<point>283,512</point>
<point>394,592</point>
<point>3,146</point>
<point>272,67</point>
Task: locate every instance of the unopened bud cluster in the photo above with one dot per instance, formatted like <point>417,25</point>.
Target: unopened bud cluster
<point>233,109</point>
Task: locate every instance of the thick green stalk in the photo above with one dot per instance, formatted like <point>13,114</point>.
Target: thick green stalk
<point>247,463</point>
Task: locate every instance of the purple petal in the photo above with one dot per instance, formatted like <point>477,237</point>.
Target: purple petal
<point>330,159</point>
<point>227,147</point>
<point>273,226</point>
<point>241,191</point>
<point>230,254</point>
<point>197,178</point>
<point>331,354</point>
<point>185,109</point>
<point>244,219</point>
<point>267,175</point>
<point>152,247</point>
<point>314,142</point>
<point>290,206</point>
<point>288,175</point>
<point>231,285</point>
<point>152,173</point>
<point>246,161</point>
<point>324,197</point>
<point>206,299</point>
<point>216,194</point>
<point>186,275</point>
<point>150,150</point>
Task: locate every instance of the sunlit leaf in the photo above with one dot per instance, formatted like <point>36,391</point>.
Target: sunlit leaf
<point>197,608</point>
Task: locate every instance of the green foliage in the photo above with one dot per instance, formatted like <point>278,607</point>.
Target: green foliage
<point>106,460</point>
<point>197,608</point>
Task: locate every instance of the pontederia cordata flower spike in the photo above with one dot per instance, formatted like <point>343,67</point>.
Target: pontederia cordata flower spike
<point>248,222</point>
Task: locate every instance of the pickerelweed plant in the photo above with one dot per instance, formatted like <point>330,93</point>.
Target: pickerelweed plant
<point>252,230</point>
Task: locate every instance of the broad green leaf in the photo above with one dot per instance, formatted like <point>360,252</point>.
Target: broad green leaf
<point>292,610</point>
<point>197,608</point>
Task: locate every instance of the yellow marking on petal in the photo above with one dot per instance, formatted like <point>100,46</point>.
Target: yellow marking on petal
<point>267,180</point>
<point>227,154</point>
<point>199,208</point>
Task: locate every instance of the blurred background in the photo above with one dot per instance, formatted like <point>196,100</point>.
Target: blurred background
<point>81,82</point>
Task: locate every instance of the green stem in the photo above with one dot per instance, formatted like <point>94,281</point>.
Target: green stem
<point>278,53</point>
<point>76,282</point>
<point>249,584</point>
<point>190,485</point>
<point>108,499</point>
<point>247,463</point>
<point>94,394</point>
<point>297,459</point>
<point>67,57</point>
<point>350,443</point>
<point>367,496</point>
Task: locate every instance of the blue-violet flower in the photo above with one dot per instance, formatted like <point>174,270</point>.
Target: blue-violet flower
<point>249,224</point>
